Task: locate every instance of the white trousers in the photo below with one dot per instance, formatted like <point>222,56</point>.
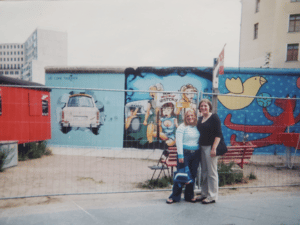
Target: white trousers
<point>209,174</point>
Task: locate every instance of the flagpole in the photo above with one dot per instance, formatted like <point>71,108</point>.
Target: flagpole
<point>218,66</point>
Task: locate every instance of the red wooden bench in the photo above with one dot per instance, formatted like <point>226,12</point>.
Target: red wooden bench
<point>171,160</point>
<point>239,154</point>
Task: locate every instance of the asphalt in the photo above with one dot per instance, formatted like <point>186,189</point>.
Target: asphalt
<point>248,206</point>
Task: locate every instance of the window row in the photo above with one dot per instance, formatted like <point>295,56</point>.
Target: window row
<point>294,25</point>
<point>12,66</point>
<point>11,53</point>
<point>9,72</point>
<point>11,59</point>
<point>10,46</point>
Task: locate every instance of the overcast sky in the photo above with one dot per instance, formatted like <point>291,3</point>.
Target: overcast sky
<point>131,33</point>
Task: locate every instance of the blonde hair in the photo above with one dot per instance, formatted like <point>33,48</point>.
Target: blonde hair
<point>184,88</point>
<point>208,103</point>
<point>185,116</point>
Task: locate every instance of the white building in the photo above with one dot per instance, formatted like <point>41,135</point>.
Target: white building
<point>27,60</point>
<point>270,34</point>
<point>12,59</point>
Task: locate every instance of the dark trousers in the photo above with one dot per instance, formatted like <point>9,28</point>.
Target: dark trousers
<point>191,159</point>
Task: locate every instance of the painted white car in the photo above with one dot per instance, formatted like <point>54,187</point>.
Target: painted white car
<point>80,111</point>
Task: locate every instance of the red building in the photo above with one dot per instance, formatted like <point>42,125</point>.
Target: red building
<point>24,111</point>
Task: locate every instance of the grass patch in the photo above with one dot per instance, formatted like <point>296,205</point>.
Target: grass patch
<point>157,183</point>
<point>227,175</point>
<point>252,176</point>
<point>3,156</point>
<point>33,150</point>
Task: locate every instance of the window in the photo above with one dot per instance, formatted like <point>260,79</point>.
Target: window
<point>12,72</point>
<point>292,52</point>
<point>6,72</point>
<point>45,106</point>
<point>294,25</point>
<point>257,6</point>
<point>16,72</point>
<point>7,53</point>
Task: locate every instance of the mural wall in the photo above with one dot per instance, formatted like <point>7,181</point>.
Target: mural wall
<point>152,118</point>
<point>259,120</point>
<point>144,119</point>
<point>86,117</point>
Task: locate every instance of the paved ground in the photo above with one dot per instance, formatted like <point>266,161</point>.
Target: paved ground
<point>243,206</point>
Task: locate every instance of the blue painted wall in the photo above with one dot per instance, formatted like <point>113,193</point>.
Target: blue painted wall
<point>111,103</point>
<point>258,126</point>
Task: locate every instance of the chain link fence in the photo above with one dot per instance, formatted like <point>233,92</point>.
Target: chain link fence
<point>116,153</point>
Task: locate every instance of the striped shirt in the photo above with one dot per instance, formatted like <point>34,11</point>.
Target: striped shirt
<point>187,137</point>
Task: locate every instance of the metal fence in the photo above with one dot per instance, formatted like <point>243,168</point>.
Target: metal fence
<point>91,168</point>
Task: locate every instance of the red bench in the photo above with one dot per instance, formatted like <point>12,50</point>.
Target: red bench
<point>239,154</point>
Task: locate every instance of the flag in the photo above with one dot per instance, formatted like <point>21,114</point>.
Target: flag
<point>221,62</point>
<point>218,69</point>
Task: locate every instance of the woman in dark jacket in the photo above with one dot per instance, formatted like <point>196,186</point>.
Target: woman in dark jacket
<point>209,126</point>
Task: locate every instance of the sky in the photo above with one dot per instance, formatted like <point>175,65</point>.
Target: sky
<point>132,33</point>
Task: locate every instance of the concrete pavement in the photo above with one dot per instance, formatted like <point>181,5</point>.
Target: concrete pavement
<point>244,206</point>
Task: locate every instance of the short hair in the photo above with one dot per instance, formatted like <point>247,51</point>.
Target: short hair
<point>206,101</point>
<point>166,105</point>
<point>185,115</point>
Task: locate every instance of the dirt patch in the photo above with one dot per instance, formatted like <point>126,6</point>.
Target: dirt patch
<point>12,203</point>
<point>87,174</point>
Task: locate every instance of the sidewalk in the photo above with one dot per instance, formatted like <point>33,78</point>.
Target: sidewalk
<point>265,206</point>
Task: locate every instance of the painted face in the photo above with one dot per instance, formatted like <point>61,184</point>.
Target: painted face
<point>190,118</point>
<point>167,111</point>
<point>190,96</point>
<point>204,108</point>
<point>152,94</point>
